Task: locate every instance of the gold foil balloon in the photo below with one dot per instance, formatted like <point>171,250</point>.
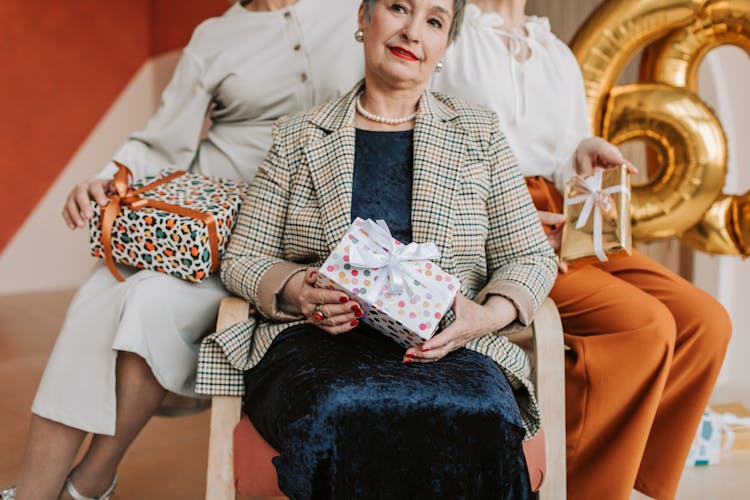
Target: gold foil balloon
<point>715,234</point>
<point>614,33</point>
<point>685,132</point>
<point>688,136</point>
<point>675,60</point>
<point>740,221</point>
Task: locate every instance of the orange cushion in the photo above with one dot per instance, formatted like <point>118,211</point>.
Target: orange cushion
<point>536,459</point>
<point>255,475</point>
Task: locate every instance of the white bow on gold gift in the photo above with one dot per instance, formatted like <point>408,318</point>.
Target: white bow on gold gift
<point>594,199</point>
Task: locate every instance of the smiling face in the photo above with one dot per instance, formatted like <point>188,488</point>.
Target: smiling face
<point>405,39</point>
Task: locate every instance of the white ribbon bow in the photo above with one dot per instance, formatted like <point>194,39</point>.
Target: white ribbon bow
<point>593,188</point>
<point>385,253</point>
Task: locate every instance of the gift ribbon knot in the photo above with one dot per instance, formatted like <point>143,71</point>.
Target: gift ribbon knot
<point>594,199</point>
<point>385,252</point>
<point>125,196</point>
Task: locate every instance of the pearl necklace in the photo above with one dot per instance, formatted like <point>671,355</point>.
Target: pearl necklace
<point>382,119</point>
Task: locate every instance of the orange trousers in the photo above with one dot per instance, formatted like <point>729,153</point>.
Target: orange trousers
<point>646,347</point>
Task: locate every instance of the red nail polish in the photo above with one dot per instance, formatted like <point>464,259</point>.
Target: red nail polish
<point>344,299</point>
<point>355,308</point>
<point>359,314</point>
<point>425,349</point>
<point>408,360</point>
<point>409,354</point>
<point>354,323</point>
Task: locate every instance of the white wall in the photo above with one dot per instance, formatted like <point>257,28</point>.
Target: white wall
<point>44,254</point>
<point>565,16</point>
<point>723,81</point>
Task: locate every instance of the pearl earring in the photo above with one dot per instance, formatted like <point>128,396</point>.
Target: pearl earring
<point>439,67</point>
<point>359,35</point>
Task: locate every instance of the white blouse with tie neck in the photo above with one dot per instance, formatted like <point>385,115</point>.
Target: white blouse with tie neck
<point>538,96</point>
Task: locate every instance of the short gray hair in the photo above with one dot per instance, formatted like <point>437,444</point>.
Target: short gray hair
<point>458,16</point>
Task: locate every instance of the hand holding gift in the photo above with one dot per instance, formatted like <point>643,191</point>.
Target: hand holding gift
<point>472,320</point>
<point>594,152</point>
<point>329,310</point>
<point>78,210</point>
<point>553,224</point>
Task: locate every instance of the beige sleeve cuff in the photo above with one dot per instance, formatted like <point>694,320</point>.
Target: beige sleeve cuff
<point>516,293</point>
<point>271,285</point>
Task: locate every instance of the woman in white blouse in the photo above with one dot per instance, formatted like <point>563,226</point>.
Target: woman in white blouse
<point>125,345</point>
<point>645,345</point>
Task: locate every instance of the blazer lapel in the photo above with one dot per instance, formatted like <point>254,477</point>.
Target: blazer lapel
<point>439,151</point>
<point>330,160</point>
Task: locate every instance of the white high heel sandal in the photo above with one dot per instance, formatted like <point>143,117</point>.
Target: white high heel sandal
<point>77,496</point>
<point>10,493</point>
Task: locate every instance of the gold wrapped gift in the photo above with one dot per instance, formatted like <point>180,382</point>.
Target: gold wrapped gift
<point>598,211</point>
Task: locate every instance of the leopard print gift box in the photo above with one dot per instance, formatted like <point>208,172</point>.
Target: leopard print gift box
<point>163,223</point>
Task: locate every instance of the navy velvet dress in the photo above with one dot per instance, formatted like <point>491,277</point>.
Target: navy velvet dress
<point>352,421</point>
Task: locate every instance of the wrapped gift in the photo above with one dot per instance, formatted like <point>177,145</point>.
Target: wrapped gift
<point>722,428</point>
<point>178,224</point>
<point>598,212</point>
<point>401,292</point>
<point>706,447</point>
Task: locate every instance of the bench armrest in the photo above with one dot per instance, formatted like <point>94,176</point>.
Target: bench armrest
<point>225,414</point>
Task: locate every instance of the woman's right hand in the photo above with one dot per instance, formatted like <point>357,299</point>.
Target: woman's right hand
<point>77,211</point>
<point>329,310</point>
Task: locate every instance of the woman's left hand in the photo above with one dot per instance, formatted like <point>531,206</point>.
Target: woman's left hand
<point>553,225</point>
<point>472,321</point>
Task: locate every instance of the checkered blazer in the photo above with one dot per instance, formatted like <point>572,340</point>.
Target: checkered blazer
<point>468,197</point>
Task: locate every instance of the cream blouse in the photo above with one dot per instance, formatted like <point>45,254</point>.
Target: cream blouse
<point>246,69</point>
<point>540,100</point>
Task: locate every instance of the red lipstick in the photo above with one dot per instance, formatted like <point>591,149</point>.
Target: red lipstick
<point>403,53</point>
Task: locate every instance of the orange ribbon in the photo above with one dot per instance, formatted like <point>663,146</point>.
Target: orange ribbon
<point>128,197</point>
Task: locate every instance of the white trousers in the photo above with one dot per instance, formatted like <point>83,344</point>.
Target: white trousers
<point>158,317</point>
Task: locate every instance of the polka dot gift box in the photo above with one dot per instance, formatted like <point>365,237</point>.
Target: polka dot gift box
<point>178,223</point>
<point>402,293</point>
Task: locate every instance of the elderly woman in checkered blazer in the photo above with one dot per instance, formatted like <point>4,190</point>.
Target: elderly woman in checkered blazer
<point>351,413</point>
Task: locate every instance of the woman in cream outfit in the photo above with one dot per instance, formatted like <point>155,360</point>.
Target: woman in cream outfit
<point>636,384</point>
<point>124,345</point>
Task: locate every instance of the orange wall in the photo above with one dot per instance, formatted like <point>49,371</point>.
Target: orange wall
<point>174,20</point>
<point>64,62</point>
